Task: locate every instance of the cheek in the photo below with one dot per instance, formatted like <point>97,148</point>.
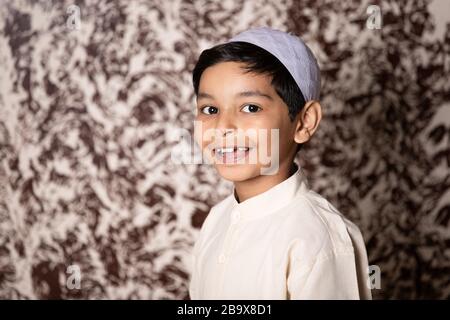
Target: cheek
<point>286,134</point>
<point>269,132</point>
<point>199,133</point>
<point>274,137</point>
<point>204,133</point>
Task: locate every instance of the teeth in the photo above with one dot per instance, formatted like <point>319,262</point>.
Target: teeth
<point>231,149</point>
<point>225,150</point>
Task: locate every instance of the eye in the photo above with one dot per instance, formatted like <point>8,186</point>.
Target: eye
<point>209,110</point>
<point>251,108</point>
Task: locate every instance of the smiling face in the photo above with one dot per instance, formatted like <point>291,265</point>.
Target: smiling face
<point>242,111</point>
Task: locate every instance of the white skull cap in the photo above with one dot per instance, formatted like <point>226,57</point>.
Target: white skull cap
<point>292,52</point>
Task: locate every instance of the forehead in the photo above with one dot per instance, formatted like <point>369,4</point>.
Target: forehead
<point>231,77</point>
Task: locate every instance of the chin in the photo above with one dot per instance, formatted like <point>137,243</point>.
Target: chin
<point>237,172</point>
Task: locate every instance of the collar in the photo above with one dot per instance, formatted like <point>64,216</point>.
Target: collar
<point>270,200</point>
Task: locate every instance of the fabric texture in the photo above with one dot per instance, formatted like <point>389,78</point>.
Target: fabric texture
<point>292,52</point>
<point>285,243</point>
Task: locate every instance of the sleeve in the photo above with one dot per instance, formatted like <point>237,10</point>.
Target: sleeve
<point>328,276</point>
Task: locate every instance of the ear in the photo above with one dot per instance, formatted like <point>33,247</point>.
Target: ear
<point>308,121</point>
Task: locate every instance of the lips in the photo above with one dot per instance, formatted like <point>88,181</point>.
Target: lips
<point>230,155</point>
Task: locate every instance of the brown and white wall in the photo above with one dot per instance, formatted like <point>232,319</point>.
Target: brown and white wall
<point>90,111</point>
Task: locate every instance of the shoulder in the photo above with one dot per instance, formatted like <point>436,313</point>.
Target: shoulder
<point>320,229</point>
<point>216,212</point>
<point>223,205</point>
<point>215,216</point>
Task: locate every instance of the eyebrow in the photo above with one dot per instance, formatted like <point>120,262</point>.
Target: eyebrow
<point>250,93</point>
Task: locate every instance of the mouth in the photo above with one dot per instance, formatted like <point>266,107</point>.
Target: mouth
<point>230,155</point>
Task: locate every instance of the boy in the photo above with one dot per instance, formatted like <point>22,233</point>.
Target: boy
<point>273,237</point>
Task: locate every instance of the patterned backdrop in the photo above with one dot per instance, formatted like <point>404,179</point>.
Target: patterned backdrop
<point>93,95</point>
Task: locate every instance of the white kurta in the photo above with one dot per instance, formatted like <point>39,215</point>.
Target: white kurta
<point>285,243</point>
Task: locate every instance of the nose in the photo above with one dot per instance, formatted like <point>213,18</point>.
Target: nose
<point>225,124</point>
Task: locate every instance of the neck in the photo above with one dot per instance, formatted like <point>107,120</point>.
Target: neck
<point>252,187</point>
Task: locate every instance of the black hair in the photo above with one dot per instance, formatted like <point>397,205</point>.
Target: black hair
<point>256,60</point>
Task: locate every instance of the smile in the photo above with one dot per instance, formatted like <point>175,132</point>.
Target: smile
<point>231,149</point>
<point>231,155</point>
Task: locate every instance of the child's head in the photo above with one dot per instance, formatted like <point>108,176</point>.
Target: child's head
<point>262,80</point>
